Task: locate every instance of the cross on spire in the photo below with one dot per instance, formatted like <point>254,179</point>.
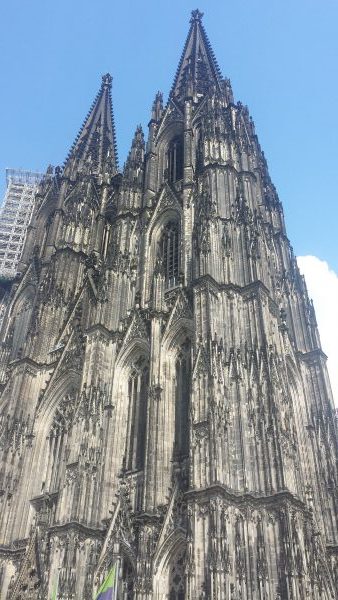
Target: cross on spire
<point>107,80</point>
<point>196,15</point>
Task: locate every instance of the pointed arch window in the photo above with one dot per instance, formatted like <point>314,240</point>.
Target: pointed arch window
<point>199,150</point>
<point>175,159</point>
<point>57,443</point>
<point>21,322</point>
<point>57,440</point>
<point>137,416</point>
<point>182,398</point>
<point>170,253</point>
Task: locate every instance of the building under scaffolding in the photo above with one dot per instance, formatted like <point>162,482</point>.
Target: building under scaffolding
<point>15,215</point>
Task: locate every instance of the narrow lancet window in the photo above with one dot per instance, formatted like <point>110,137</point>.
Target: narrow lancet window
<point>182,395</point>
<point>175,159</point>
<point>199,151</point>
<point>137,418</point>
<point>169,252</point>
<point>57,439</point>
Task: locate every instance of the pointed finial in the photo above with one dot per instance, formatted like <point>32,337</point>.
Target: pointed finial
<point>159,97</point>
<point>196,16</point>
<point>107,80</point>
<point>157,106</point>
<point>139,131</point>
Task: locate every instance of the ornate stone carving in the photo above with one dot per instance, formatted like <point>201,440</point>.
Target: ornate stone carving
<point>188,394</point>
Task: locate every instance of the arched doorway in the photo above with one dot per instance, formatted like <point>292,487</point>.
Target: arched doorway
<point>169,569</point>
<point>177,576</point>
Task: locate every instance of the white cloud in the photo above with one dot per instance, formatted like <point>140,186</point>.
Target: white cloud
<point>322,284</point>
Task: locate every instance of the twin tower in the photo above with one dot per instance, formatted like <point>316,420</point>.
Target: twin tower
<point>165,404</point>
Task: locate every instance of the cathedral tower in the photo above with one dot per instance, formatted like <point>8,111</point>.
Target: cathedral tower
<point>165,407</point>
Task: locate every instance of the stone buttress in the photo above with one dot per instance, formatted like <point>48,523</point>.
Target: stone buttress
<point>165,402</point>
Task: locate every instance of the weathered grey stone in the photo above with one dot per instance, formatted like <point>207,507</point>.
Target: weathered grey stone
<point>165,402</point>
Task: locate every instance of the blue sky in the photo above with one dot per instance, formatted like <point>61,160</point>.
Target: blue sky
<point>281,57</point>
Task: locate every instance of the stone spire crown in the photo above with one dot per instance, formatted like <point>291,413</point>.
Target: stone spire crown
<point>94,149</point>
<point>198,68</point>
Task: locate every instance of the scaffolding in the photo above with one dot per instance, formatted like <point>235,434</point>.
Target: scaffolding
<point>15,215</point>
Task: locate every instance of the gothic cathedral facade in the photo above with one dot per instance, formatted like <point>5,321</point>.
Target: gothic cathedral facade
<point>165,404</point>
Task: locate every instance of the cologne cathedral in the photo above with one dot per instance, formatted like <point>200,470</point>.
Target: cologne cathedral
<point>165,405</point>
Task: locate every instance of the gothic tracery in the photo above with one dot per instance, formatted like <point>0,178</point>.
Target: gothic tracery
<point>165,408</point>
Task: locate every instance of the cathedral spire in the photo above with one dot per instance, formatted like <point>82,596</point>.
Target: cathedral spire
<point>94,149</point>
<point>198,68</point>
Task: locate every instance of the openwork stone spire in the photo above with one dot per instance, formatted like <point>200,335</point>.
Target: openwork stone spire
<point>164,400</point>
<point>198,68</point>
<point>94,149</point>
